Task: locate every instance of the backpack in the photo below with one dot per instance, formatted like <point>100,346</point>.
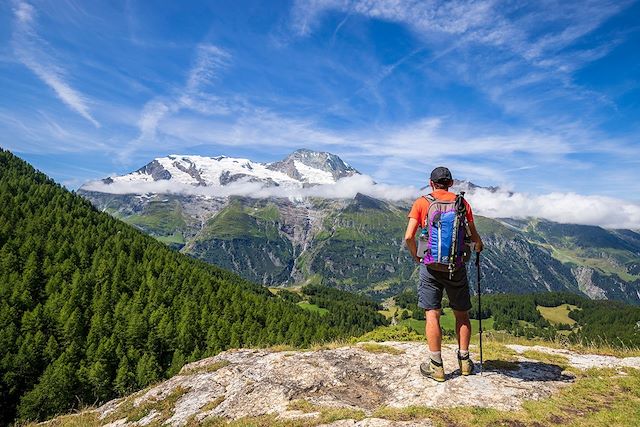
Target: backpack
<point>443,244</point>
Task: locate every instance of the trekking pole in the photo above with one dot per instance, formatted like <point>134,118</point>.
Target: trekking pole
<point>479,307</point>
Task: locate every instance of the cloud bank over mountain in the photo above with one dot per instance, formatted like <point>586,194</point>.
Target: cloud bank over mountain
<point>306,173</point>
<point>560,207</point>
<point>344,188</point>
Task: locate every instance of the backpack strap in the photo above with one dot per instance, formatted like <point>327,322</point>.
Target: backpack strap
<point>431,199</point>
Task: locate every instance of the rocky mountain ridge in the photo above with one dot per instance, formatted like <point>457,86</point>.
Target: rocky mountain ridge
<point>367,384</point>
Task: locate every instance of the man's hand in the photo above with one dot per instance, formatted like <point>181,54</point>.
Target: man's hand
<point>475,237</point>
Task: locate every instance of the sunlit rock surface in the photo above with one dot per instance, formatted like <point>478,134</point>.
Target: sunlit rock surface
<point>298,384</point>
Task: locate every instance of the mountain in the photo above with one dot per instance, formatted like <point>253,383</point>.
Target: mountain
<point>355,244</point>
<point>91,308</point>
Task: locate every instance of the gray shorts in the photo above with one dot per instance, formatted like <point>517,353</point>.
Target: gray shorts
<point>433,282</point>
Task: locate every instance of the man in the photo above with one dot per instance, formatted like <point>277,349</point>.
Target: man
<point>433,282</point>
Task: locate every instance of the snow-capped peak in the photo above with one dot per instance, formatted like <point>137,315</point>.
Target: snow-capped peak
<point>301,168</point>
<point>314,167</point>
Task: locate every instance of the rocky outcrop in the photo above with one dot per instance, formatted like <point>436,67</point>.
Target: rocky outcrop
<point>321,161</point>
<point>361,378</point>
<point>191,170</point>
<point>584,276</point>
<point>154,169</point>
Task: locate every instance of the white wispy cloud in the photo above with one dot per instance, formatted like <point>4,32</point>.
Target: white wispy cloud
<point>208,61</point>
<point>151,115</point>
<point>499,47</point>
<point>32,51</point>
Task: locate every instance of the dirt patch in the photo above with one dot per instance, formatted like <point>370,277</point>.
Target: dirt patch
<point>556,419</point>
<point>359,384</point>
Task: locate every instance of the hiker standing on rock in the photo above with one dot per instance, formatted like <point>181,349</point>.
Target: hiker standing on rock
<point>447,227</point>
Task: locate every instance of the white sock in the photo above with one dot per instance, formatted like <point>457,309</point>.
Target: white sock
<point>463,353</point>
<point>436,356</point>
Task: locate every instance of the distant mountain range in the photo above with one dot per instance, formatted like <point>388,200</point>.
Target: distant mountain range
<point>353,244</point>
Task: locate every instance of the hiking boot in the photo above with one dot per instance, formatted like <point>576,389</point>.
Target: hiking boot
<point>465,363</point>
<point>433,370</point>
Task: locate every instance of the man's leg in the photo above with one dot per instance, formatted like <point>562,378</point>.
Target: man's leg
<point>460,302</point>
<point>463,329</point>
<point>433,368</point>
<point>430,299</point>
<point>433,331</point>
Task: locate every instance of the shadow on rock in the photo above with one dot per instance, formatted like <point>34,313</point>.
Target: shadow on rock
<point>528,370</point>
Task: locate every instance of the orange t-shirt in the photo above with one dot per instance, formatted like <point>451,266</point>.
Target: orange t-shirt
<point>421,206</point>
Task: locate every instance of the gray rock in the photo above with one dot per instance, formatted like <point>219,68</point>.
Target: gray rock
<point>319,160</point>
<point>156,170</point>
<point>258,382</point>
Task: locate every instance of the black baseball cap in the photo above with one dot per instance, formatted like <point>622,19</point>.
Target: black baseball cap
<point>441,174</point>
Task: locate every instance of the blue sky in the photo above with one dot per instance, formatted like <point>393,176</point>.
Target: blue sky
<point>538,97</point>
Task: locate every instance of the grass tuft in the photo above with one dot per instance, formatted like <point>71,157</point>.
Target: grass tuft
<point>327,414</point>
<point>206,368</point>
<point>213,404</point>
<point>379,348</point>
<point>279,348</point>
<point>135,413</point>
<point>87,418</point>
<point>390,333</point>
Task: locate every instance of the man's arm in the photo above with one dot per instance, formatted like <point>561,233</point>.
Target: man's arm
<point>410,238</point>
<point>476,237</point>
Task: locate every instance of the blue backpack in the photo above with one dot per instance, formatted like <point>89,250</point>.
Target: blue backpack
<point>443,244</point>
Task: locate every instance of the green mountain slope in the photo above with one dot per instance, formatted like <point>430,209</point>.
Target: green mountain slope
<point>604,262</point>
<point>360,248</point>
<point>91,308</point>
<point>512,263</point>
<point>246,239</point>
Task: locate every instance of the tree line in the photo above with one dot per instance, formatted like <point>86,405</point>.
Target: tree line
<point>598,322</point>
